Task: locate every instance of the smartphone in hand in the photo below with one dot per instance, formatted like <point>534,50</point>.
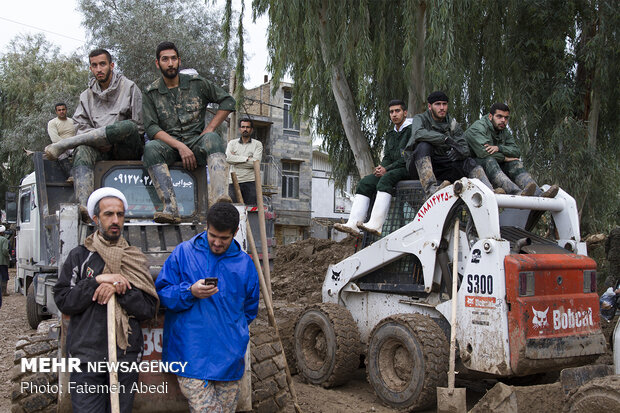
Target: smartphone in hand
<point>210,281</point>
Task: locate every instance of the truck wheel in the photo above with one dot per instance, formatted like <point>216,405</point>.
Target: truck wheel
<point>32,309</point>
<point>599,395</point>
<point>408,357</point>
<point>269,387</point>
<point>327,345</point>
<point>24,396</point>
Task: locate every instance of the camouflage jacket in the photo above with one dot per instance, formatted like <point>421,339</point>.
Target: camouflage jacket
<point>180,111</point>
<point>482,131</point>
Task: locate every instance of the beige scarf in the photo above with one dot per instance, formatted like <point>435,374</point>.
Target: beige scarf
<point>130,262</point>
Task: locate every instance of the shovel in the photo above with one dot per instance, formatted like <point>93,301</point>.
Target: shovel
<point>451,400</point>
<point>114,401</point>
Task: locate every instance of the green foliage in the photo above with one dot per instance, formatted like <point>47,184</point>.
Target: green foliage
<point>131,31</point>
<point>34,76</point>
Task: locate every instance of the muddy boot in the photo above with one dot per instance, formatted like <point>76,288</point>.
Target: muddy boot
<point>551,192</point>
<point>95,137</point>
<point>501,180</point>
<point>378,214</point>
<point>160,175</point>
<point>359,209</point>
<point>4,288</point>
<point>427,177</point>
<point>83,185</point>
<point>529,190</point>
<point>218,178</point>
<point>524,180</point>
<point>478,173</point>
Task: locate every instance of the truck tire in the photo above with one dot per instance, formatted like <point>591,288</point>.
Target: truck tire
<point>327,345</point>
<point>25,398</point>
<point>408,357</point>
<point>599,395</point>
<point>269,387</point>
<point>32,309</point>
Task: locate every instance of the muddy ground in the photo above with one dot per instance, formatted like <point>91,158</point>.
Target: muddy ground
<point>297,277</point>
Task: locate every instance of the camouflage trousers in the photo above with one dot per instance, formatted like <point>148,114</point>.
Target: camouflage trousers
<point>126,142</point>
<point>370,184</point>
<point>157,152</point>
<point>215,397</point>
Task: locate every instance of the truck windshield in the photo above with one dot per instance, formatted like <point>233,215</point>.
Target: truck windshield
<point>135,183</point>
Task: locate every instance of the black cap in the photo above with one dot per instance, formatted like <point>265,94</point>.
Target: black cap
<point>437,96</point>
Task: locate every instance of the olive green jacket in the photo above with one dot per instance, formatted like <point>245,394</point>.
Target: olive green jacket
<point>482,132</point>
<point>426,129</point>
<point>181,111</point>
<point>394,146</point>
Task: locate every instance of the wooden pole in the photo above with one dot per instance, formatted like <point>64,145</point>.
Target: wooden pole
<point>262,226</point>
<point>267,297</point>
<point>111,310</point>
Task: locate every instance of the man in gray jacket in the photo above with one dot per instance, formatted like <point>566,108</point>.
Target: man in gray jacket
<point>109,125</point>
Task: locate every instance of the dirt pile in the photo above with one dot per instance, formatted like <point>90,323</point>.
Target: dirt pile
<point>299,268</point>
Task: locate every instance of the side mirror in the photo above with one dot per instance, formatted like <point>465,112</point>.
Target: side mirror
<point>11,207</point>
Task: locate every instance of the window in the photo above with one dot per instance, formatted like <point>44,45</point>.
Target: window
<point>288,116</point>
<point>24,207</point>
<point>290,179</point>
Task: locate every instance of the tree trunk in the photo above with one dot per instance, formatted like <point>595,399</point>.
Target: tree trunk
<point>346,105</point>
<point>416,90</point>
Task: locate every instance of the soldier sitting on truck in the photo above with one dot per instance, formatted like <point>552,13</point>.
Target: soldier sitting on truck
<point>109,125</point>
<point>174,118</point>
<point>385,177</point>
<point>92,273</point>
<point>437,148</point>
<point>210,289</point>
<point>497,152</point>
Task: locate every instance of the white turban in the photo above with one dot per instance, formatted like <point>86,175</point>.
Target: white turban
<point>101,193</point>
<point>2,229</point>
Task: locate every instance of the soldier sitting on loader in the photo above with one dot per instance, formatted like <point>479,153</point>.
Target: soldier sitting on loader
<point>174,118</point>
<point>385,177</point>
<point>109,125</point>
<point>437,148</point>
<point>497,152</point>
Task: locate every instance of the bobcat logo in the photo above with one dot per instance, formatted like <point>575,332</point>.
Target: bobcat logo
<point>336,275</point>
<point>540,318</point>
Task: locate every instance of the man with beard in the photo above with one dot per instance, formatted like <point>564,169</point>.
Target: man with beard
<point>109,125</point>
<point>92,273</point>
<point>437,148</point>
<point>174,118</point>
<point>241,154</point>
<point>498,154</point>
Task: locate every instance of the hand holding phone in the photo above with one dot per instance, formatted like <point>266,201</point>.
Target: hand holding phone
<point>211,281</point>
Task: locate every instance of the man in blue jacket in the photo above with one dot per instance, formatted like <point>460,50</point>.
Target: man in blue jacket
<point>207,322</point>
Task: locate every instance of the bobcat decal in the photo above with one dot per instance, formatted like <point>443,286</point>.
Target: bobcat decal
<point>540,318</point>
<point>336,275</point>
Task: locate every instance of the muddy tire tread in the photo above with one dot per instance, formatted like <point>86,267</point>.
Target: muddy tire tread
<point>601,394</point>
<point>348,344</point>
<point>436,357</point>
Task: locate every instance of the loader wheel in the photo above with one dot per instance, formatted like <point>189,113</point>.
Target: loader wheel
<point>327,345</point>
<point>269,387</point>
<point>32,309</point>
<point>408,357</point>
<point>599,395</point>
<point>34,392</point>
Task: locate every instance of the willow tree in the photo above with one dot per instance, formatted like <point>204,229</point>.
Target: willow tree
<point>552,61</point>
<point>34,76</point>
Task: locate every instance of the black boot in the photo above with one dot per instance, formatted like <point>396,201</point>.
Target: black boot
<point>160,175</point>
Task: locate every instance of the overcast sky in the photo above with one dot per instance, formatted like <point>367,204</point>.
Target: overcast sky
<point>60,23</point>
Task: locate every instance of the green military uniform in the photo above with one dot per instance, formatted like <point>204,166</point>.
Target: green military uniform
<point>482,132</point>
<point>180,112</point>
<point>392,161</point>
<point>426,129</point>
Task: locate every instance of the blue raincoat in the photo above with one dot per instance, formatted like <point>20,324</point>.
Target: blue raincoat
<point>211,334</point>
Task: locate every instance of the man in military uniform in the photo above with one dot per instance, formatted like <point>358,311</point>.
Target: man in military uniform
<point>109,125</point>
<point>174,118</point>
<point>497,152</point>
<point>437,148</point>
<point>385,177</point>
